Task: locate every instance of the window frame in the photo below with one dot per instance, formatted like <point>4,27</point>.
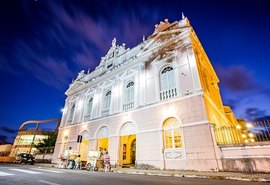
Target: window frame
<point>167,78</point>
<point>87,112</point>
<point>129,92</point>
<point>70,117</point>
<point>107,101</point>
<point>170,130</point>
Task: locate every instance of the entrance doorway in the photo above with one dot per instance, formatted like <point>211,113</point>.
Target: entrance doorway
<point>102,144</point>
<point>127,149</point>
<point>83,148</point>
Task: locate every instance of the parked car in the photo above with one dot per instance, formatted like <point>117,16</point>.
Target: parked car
<point>24,158</point>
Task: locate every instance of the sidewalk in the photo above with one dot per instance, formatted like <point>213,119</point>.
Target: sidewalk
<point>256,177</point>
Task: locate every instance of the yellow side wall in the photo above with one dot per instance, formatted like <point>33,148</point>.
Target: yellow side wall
<point>209,82</point>
<point>222,116</point>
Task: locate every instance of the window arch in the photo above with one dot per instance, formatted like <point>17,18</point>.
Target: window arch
<point>85,134</point>
<point>167,80</point>
<point>129,96</point>
<point>128,128</point>
<point>106,103</point>
<point>88,111</point>
<point>167,83</point>
<point>172,134</point>
<point>103,132</point>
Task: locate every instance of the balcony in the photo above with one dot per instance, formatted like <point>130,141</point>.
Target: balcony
<point>167,94</point>
<point>105,112</point>
<point>129,105</point>
<point>87,117</point>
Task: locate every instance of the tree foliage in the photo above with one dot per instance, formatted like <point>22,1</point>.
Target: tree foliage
<point>47,144</point>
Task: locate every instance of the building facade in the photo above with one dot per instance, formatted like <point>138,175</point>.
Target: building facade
<point>155,104</point>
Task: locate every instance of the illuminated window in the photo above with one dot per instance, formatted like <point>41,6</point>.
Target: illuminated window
<point>129,96</point>
<point>71,112</point>
<point>88,109</point>
<point>172,134</point>
<point>167,83</point>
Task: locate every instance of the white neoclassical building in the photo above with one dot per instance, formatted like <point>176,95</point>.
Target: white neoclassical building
<point>154,104</point>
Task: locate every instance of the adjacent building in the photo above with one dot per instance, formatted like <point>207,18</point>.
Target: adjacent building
<point>156,104</point>
<point>28,137</point>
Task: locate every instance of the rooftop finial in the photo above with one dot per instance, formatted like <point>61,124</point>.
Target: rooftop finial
<point>183,16</point>
<point>114,42</point>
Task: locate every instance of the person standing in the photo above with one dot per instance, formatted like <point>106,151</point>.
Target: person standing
<point>78,162</point>
<point>107,164</point>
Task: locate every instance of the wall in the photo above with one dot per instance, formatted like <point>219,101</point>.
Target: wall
<point>190,110</point>
<point>5,148</point>
<point>246,158</point>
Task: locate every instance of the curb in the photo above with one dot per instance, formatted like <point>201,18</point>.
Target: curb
<point>194,176</point>
<point>45,164</point>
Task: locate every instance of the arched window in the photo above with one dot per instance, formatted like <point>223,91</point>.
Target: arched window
<point>71,112</point>
<point>103,132</point>
<point>106,103</point>
<point>167,83</point>
<point>129,96</point>
<point>88,110</point>
<point>103,139</point>
<point>172,134</point>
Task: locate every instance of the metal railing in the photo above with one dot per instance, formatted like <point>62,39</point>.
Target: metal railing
<point>127,106</point>
<point>167,94</point>
<point>105,112</point>
<point>249,133</point>
<point>260,130</point>
<point>228,135</point>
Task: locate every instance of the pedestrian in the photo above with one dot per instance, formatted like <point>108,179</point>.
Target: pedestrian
<point>107,162</point>
<point>77,162</point>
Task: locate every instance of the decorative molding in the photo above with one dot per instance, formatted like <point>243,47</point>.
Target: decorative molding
<point>173,154</point>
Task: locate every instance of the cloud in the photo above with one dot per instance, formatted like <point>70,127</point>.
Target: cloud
<point>8,130</point>
<point>3,138</point>
<point>55,50</point>
<point>264,118</point>
<point>237,78</point>
<point>242,91</point>
<point>254,113</point>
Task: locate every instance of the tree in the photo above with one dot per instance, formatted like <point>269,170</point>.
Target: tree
<point>47,144</point>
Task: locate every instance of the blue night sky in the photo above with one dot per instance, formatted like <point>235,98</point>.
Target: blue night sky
<point>44,44</point>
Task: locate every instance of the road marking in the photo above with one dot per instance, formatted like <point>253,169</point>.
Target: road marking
<point>5,174</point>
<point>26,171</point>
<point>47,170</point>
<point>48,182</point>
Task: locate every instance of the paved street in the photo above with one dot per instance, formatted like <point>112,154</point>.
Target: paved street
<point>33,175</point>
